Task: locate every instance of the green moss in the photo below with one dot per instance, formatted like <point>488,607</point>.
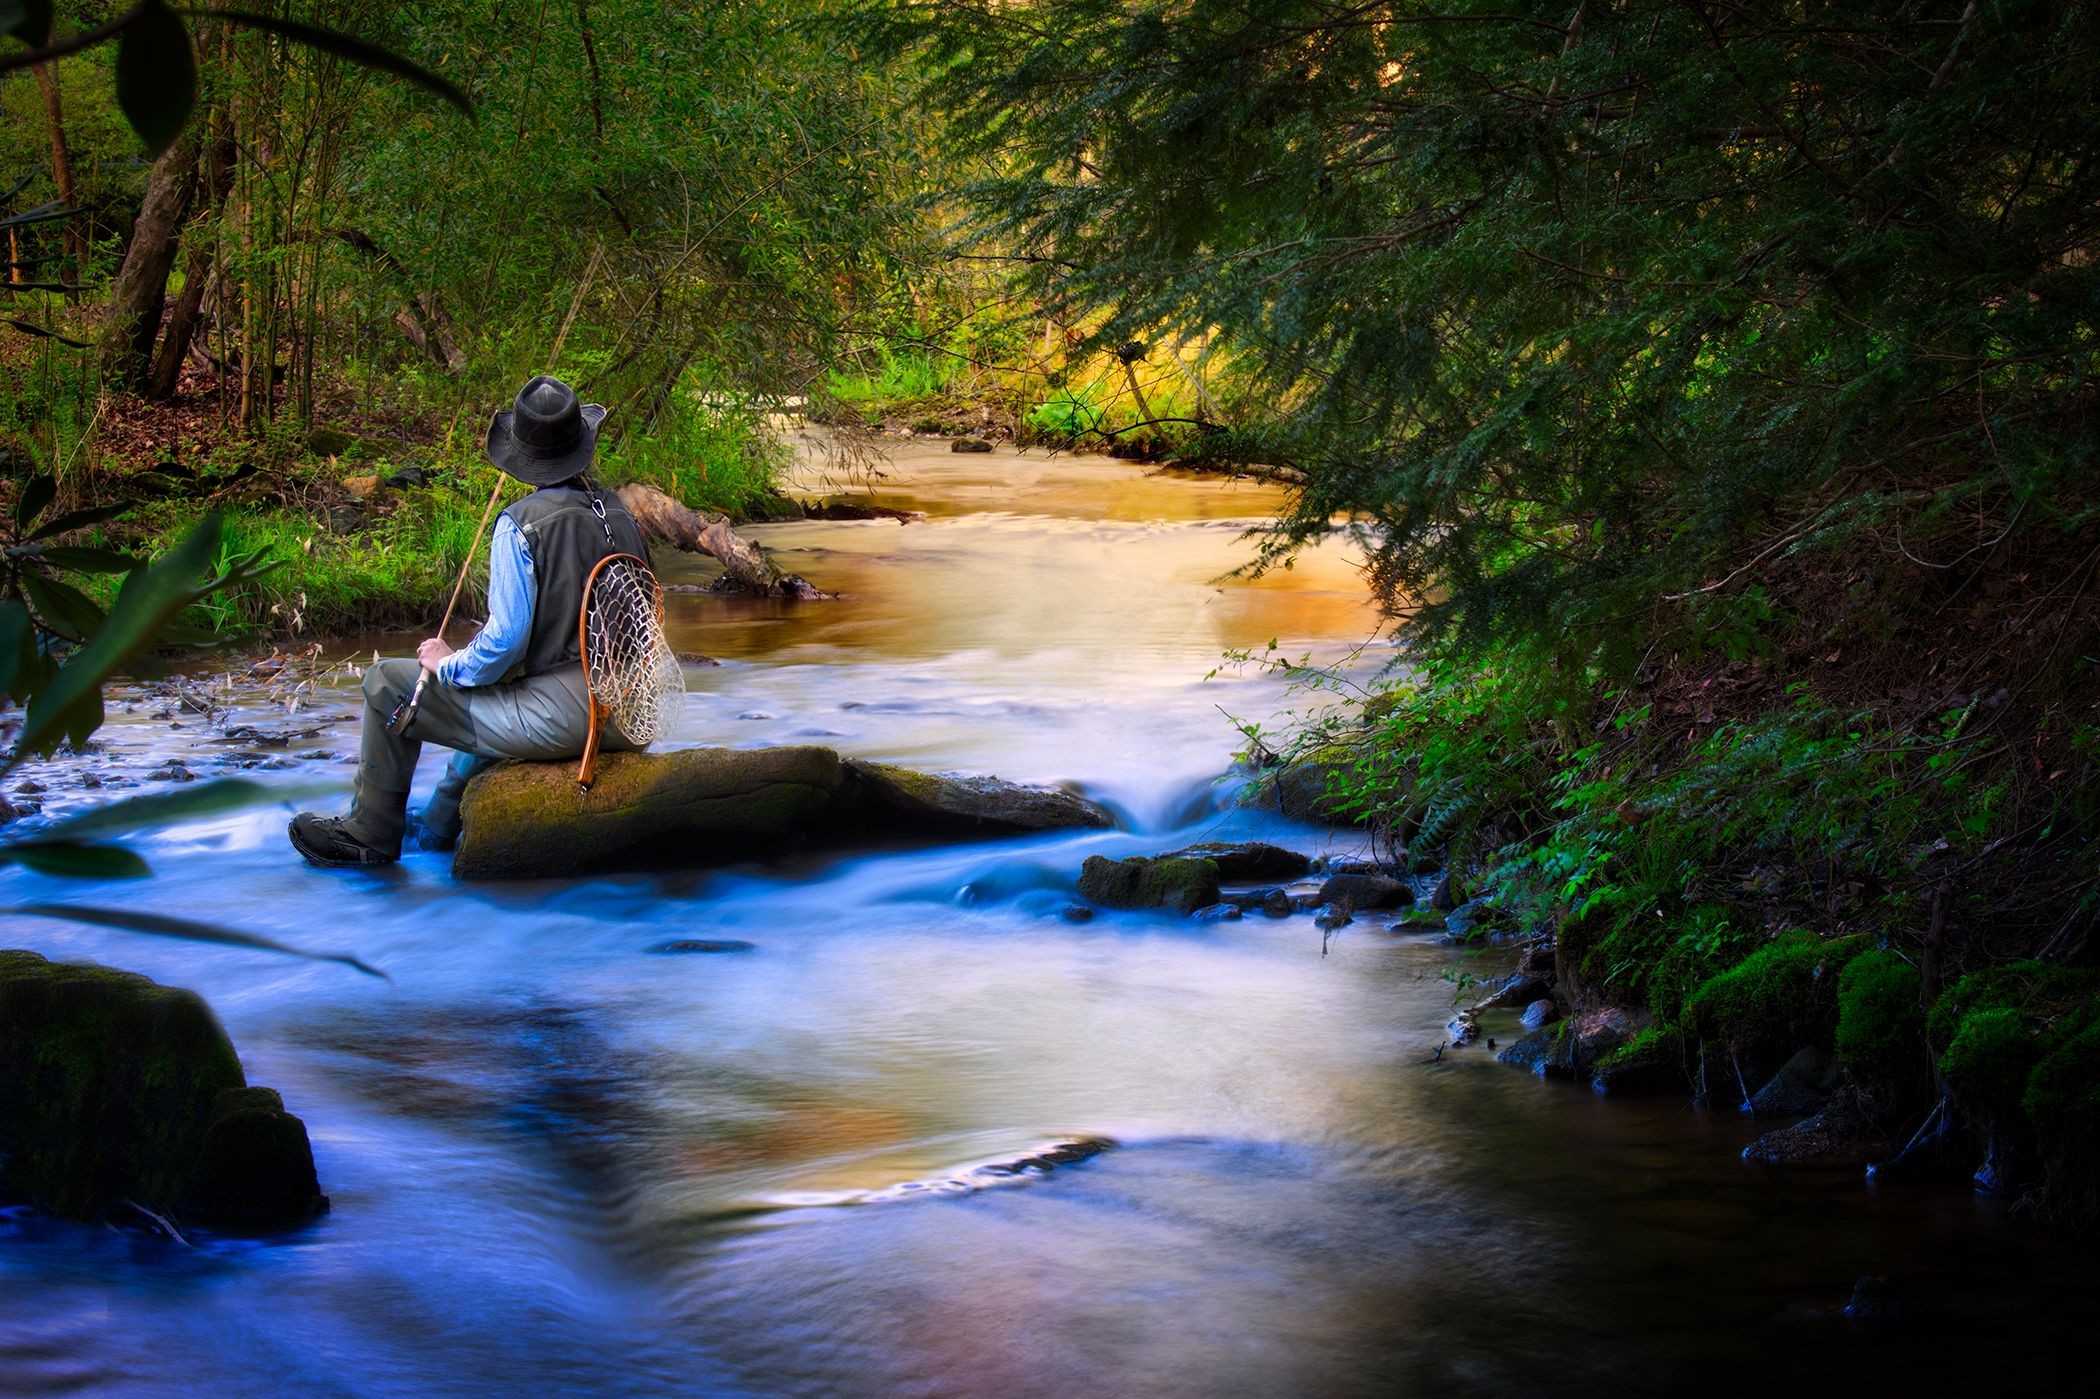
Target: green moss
<point>1656,1043</point>
<point>1987,1064</point>
<point>1782,996</point>
<point>2045,992</point>
<point>106,1083</point>
<point>1181,884</point>
<point>1880,1028</point>
<point>2062,1095</point>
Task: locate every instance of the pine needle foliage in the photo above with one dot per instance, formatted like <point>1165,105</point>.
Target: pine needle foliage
<point>1577,309</point>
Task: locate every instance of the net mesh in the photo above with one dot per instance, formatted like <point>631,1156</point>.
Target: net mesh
<point>634,675</point>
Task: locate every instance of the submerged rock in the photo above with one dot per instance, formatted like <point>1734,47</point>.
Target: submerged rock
<point>1277,903</point>
<point>1165,881</point>
<point>114,1088</point>
<point>694,807</point>
<point>1366,891</point>
<point>1543,1052</point>
<point>1540,1013</point>
<point>1827,1139</point>
<point>1216,913</point>
<point>1803,1084</point>
<point>684,946</point>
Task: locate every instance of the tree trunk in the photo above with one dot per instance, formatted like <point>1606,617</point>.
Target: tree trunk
<point>421,319</point>
<point>141,288</point>
<point>196,277</point>
<point>744,567</point>
<point>62,166</point>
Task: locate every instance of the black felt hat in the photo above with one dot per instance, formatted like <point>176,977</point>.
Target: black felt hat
<point>546,436</point>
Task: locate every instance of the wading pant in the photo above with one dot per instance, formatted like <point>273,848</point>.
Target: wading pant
<point>543,717</point>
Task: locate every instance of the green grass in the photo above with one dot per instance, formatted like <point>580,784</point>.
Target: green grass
<point>889,380</point>
<point>395,570</point>
<point>710,456</point>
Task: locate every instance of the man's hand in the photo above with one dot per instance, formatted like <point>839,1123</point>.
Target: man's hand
<point>432,651</point>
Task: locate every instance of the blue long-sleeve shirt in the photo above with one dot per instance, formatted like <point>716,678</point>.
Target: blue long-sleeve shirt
<point>513,590</point>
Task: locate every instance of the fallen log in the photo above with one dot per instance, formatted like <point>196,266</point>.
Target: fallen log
<point>744,566</point>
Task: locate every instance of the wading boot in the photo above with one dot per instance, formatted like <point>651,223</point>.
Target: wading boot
<point>328,841</point>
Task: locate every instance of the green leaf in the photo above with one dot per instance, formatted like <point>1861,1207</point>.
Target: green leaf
<point>66,860</point>
<point>37,492</point>
<point>161,925</point>
<point>84,560</point>
<point>342,45</point>
<point>165,808</point>
<point>156,76</point>
<point>79,519</point>
<point>27,20</point>
<point>62,607</point>
<point>27,329</point>
<point>17,649</point>
<point>148,601</point>
<point>42,213</point>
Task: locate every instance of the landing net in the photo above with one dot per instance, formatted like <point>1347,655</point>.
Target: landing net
<point>634,676</point>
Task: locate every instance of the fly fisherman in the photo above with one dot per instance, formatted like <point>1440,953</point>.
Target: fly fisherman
<point>518,689</point>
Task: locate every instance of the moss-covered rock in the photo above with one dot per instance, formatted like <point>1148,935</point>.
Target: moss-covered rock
<point>1165,881</point>
<point>1311,787</point>
<point>1881,1025</point>
<point>2046,993</point>
<point>2062,1101</point>
<point>694,807</point>
<point>115,1088</point>
<point>256,1167</point>
<point>1653,1061</point>
<point>1987,1064</point>
<point>1248,860</point>
<point>1779,998</point>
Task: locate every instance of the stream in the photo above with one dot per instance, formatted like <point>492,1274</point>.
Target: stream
<point>563,1164</point>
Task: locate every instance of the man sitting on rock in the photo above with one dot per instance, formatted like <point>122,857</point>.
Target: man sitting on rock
<point>518,689</point>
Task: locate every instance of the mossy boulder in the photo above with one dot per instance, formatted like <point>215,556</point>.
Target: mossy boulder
<point>1653,1061</point>
<point>1987,1064</point>
<point>1248,860</point>
<point>2062,1100</point>
<point>1880,1035</point>
<point>256,1167</point>
<point>1311,787</point>
<point>114,1088</point>
<point>1779,998</point>
<point>1164,881</point>
<point>694,807</point>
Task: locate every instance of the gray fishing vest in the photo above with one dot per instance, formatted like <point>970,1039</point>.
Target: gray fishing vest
<point>566,539</point>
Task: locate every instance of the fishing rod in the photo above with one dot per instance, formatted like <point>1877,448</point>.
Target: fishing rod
<point>405,711</point>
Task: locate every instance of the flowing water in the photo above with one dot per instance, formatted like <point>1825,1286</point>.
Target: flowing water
<point>562,1163</point>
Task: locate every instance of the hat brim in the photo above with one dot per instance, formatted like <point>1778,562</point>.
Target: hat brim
<point>512,459</point>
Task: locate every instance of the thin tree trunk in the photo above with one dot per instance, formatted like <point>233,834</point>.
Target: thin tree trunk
<point>141,288</point>
<point>62,165</point>
<point>198,270</point>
